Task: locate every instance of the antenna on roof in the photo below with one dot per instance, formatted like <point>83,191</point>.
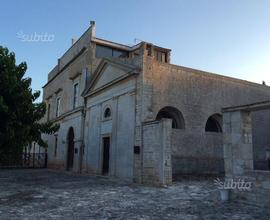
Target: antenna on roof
<point>136,40</point>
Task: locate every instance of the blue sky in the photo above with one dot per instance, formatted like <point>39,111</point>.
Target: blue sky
<point>230,37</point>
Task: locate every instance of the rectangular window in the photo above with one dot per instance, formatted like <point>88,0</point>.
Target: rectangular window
<point>120,53</point>
<point>103,51</point>
<point>58,106</point>
<point>161,56</point>
<point>55,145</point>
<point>75,95</point>
<point>149,49</point>
<point>48,112</point>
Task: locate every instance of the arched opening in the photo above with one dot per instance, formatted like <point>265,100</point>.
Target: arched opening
<point>214,123</point>
<point>107,113</point>
<point>70,150</point>
<point>174,114</point>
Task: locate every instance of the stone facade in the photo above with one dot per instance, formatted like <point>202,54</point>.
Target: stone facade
<point>138,87</point>
<point>239,153</point>
<point>156,153</point>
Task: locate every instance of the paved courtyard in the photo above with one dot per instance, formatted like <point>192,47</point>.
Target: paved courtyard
<point>47,194</point>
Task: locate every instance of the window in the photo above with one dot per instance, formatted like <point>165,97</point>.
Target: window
<point>214,123</point>
<point>55,145</point>
<point>149,49</point>
<point>174,114</point>
<point>58,106</point>
<point>103,51</point>
<point>120,53</point>
<point>161,56</point>
<point>107,113</point>
<point>75,95</point>
<point>48,112</point>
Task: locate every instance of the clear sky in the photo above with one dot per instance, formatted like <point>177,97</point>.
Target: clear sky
<point>230,37</point>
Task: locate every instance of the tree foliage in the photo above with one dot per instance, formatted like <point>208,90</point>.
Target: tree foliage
<point>20,115</point>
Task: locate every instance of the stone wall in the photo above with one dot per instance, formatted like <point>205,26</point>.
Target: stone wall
<point>260,138</point>
<point>191,156</point>
<point>157,153</point>
<point>120,128</point>
<point>197,95</point>
<point>74,67</point>
<point>83,41</point>
<point>238,155</point>
<point>59,159</point>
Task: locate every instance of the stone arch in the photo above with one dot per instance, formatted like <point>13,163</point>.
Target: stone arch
<point>214,123</point>
<point>173,113</point>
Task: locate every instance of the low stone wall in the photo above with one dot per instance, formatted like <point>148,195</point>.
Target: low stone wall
<point>197,153</point>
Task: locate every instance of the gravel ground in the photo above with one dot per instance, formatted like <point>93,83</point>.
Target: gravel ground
<point>47,194</point>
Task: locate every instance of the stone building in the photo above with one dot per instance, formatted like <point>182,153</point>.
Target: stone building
<point>241,153</point>
<point>126,111</point>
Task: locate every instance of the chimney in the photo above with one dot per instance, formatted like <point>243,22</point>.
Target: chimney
<point>93,28</point>
<point>73,40</point>
<point>58,64</point>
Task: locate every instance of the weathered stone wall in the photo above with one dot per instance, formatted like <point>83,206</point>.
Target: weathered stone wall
<point>157,168</point>
<point>60,159</point>
<point>196,153</point>
<point>197,95</point>
<point>138,158</point>
<point>238,149</point>
<point>260,138</point>
<point>62,86</point>
<point>238,157</point>
<point>120,128</point>
<point>74,67</point>
<point>83,41</point>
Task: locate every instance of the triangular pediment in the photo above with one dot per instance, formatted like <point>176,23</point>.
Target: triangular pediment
<point>108,73</point>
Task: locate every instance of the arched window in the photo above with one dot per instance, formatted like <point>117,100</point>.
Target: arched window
<point>214,123</point>
<point>107,113</point>
<point>174,114</point>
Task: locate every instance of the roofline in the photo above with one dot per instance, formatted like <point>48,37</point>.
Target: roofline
<point>123,46</point>
<point>115,45</point>
<point>64,67</point>
<point>101,65</point>
<point>257,106</point>
<point>216,75</point>
<point>161,48</point>
<point>76,42</point>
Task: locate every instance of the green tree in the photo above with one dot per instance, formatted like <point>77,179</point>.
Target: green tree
<point>20,115</point>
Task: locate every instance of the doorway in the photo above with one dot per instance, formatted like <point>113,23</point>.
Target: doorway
<point>70,153</point>
<point>106,156</point>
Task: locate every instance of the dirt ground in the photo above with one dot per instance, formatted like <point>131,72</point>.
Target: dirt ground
<point>48,194</point>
